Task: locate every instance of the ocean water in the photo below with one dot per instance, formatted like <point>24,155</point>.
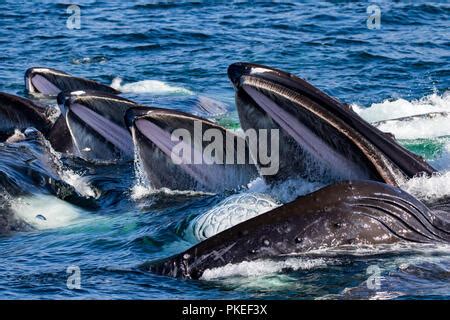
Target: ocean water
<point>167,54</point>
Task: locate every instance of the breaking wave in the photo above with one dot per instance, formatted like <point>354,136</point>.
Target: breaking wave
<point>392,109</point>
<point>429,188</point>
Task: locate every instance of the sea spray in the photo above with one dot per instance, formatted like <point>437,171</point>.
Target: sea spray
<point>392,109</point>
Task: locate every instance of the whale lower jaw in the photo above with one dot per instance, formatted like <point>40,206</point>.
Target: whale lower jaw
<point>39,84</point>
<point>96,126</point>
<point>97,138</point>
<point>152,133</point>
<point>347,213</point>
<point>313,145</point>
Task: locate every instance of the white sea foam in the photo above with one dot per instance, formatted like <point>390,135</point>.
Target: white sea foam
<point>392,109</point>
<point>435,187</point>
<point>78,182</point>
<point>45,212</point>
<point>442,162</point>
<point>149,86</point>
<point>262,267</point>
<point>425,188</point>
<point>429,188</point>
<point>89,60</point>
<point>418,127</point>
<point>141,191</point>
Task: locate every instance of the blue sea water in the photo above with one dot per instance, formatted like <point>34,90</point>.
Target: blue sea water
<point>166,53</point>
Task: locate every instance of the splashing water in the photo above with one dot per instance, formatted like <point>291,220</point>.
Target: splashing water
<point>124,234</point>
<point>425,128</point>
<point>429,188</point>
<point>392,109</point>
<point>78,182</point>
<point>262,267</point>
<point>141,187</point>
<point>149,86</point>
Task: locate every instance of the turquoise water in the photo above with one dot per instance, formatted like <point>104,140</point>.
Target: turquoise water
<point>167,53</point>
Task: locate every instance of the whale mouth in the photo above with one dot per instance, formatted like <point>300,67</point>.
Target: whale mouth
<point>96,125</point>
<point>39,84</point>
<point>321,139</point>
<point>191,168</point>
<point>42,80</point>
<point>20,113</point>
<point>51,82</point>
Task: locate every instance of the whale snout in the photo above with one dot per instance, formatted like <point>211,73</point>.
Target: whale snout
<point>236,71</point>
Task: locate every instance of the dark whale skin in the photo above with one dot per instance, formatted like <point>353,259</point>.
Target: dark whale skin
<point>20,113</point>
<point>57,81</point>
<point>152,129</point>
<point>264,93</point>
<point>347,213</point>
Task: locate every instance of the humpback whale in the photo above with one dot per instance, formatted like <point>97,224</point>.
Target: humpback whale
<point>51,82</point>
<point>20,113</point>
<point>322,139</point>
<point>96,124</point>
<point>29,167</point>
<point>152,130</point>
<point>343,214</point>
<point>36,169</point>
<point>91,124</point>
<point>9,222</point>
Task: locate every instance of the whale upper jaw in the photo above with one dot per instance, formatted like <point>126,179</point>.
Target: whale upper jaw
<point>51,82</point>
<point>321,139</point>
